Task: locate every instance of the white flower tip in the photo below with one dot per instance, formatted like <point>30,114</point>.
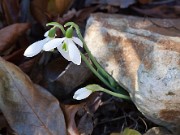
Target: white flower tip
<point>77,62</point>
<point>46,33</point>
<point>82,93</point>
<point>29,53</point>
<point>77,97</point>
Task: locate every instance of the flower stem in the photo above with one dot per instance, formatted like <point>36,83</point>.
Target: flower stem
<point>94,71</point>
<point>115,94</point>
<point>57,25</point>
<point>95,87</point>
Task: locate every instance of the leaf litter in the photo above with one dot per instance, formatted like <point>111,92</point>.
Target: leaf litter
<point>32,105</point>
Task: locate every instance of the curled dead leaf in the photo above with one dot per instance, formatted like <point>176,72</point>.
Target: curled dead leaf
<point>85,112</point>
<point>9,34</point>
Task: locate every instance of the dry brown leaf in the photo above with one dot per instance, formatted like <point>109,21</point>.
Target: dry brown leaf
<point>11,10</point>
<point>120,3</point>
<point>86,124</point>
<point>85,110</point>
<point>29,109</point>
<point>144,1</point>
<point>58,7</point>
<point>38,10</point>
<point>43,10</point>
<point>9,34</point>
<point>28,65</point>
<point>84,13</point>
<point>15,57</point>
<point>70,112</point>
<point>64,77</point>
<point>162,11</point>
<point>2,121</point>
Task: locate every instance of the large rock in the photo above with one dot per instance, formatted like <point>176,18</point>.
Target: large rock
<point>157,131</point>
<point>143,55</point>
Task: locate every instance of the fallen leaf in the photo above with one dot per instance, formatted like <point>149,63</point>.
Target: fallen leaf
<point>70,112</point>
<point>11,10</point>
<point>58,7</point>
<point>66,78</point>
<point>85,112</point>
<point>162,11</point>
<point>67,16</point>
<point>3,121</point>
<point>43,10</point>
<point>144,1</point>
<point>10,34</point>
<point>85,124</point>
<point>28,108</point>
<point>15,57</point>
<point>38,10</point>
<point>27,65</point>
<point>120,3</point>
<point>84,13</point>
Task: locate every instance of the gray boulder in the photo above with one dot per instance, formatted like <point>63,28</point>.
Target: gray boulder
<point>143,56</point>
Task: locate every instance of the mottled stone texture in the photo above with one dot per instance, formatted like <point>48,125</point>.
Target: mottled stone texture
<point>143,55</point>
<point>157,131</point>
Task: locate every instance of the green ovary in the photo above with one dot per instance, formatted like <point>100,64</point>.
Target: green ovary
<point>64,47</point>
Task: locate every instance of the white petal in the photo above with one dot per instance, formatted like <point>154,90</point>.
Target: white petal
<point>35,48</point>
<point>64,53</point>
<point>81,90</point>
<point>77,41</point>
<point>46,33</point>
<point>74,53</point>
<point>52,44</point>
<point>82,93</point>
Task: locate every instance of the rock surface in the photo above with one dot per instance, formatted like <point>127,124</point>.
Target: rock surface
<point>157,131</point>
<point>143,55</point>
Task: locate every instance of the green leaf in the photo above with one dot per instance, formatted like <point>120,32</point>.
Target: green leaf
<point>112,82</point>
<point>128,131</point>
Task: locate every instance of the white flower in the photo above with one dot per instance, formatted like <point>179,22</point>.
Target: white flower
<point>67,48</point>
<point>36,47</point>
<point>82,93</point>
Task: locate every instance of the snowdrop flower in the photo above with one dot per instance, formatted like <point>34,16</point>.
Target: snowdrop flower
<point>82,93</point>
<point>66,46</point>
<point>36,47</point>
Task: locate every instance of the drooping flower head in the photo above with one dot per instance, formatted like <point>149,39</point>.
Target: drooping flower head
<point>82,93</point>
<point>66,46</point>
